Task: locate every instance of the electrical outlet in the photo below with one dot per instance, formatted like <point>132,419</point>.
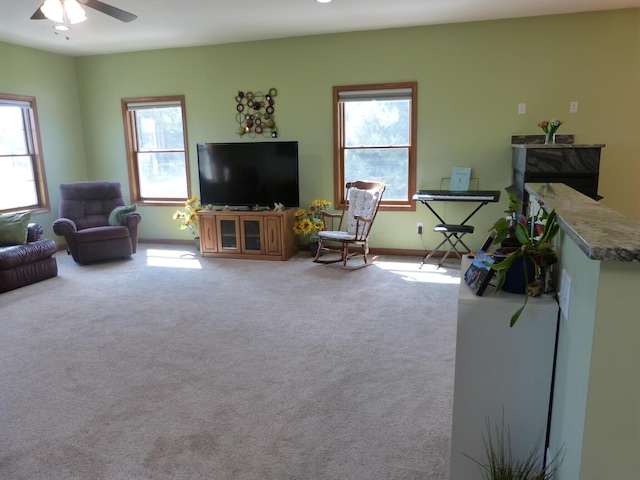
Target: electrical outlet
<point>573,107</point>
<point>420,227</point>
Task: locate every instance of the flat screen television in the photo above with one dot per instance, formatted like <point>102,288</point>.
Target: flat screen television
<point>255,174</point>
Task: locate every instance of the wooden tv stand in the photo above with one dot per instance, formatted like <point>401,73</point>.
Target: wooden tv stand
<point>256,234</point>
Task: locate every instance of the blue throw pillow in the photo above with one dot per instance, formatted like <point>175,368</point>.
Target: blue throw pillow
<point>116,217</point>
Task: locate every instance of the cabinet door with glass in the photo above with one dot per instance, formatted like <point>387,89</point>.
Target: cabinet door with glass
<point>228,234</point>
<point>252,235</point>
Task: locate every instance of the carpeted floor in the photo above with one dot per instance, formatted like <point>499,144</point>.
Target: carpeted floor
<point>172,366</point>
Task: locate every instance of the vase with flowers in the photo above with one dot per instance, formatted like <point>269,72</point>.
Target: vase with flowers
<point>189,217</point>
<point>550,127</point>
<point>308,222</point>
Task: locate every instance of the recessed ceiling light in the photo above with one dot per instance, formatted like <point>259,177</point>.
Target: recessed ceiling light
<point>323,1</point>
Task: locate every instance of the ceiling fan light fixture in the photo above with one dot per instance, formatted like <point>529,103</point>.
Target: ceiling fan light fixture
<point>61,27</point>
<point>61,11</point>
<point>75,13</point>
<point>52,9</point>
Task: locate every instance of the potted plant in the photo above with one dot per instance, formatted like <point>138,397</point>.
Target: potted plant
<point>500,463</point>
<point>535,254</point>
<point>189,218</point>
<point>308,223</point>
<point>505,227</point>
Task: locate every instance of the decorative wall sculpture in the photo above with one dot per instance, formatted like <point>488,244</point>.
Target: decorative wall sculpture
<point>255,113</point>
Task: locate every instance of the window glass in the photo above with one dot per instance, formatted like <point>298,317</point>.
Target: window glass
<point>162,175</point>
<point>377,123</point>
<point>22,180</point>
<point>370,124</point>
<point>383,165</point>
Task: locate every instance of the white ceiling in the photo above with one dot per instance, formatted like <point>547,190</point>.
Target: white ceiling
<point>182,23</point>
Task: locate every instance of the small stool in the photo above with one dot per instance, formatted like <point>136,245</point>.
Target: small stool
<point>451,233</point>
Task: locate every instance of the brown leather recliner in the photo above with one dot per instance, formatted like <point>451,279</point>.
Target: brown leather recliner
<point>84,210</point>
<point>22,265</point>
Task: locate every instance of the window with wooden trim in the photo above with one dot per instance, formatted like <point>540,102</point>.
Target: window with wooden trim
<point>375,139</point>
<point>23,184</point>
<point>157,155</point>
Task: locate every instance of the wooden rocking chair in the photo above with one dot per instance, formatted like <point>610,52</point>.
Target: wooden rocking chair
<point>364,199</point>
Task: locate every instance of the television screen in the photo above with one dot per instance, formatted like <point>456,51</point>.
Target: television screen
<point>248,174</point>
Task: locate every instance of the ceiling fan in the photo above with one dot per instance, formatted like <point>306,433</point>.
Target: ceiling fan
<point>65,8</point>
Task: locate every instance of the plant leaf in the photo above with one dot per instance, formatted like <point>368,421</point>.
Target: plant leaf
<point>501,276</point>
<point>515,316</point>
<point>551,228</point>
<point>523,234</point>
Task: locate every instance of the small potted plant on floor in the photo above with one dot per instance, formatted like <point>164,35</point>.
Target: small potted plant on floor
<point>308,223</point>
<point>527,262</point>
<point>500,463</point>
<point>189,218</point>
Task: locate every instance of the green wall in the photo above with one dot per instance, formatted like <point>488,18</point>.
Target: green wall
<point>52,80</point>
<point>595,407</point>
<point>471,77</point>
<point>573,363</point>
<point>612,428</point>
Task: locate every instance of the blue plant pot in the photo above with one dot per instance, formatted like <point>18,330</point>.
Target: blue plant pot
<point>514,281</point>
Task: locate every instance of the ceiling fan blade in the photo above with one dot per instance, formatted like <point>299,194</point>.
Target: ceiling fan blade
<point>109,10</point>
<point>38,15</point>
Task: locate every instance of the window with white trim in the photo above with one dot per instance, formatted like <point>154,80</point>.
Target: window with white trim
<point>375,139</point>
<point>157,155</point>
<point>23,183</point>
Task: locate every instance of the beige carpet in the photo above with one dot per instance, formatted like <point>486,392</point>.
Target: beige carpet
<point>171,366</point>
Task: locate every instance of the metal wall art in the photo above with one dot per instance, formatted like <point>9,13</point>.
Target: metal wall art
<point>255,113</point>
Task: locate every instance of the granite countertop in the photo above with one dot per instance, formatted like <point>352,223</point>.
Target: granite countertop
<point>558,145</point>
<point>600,232</point>
<point>564,140</point>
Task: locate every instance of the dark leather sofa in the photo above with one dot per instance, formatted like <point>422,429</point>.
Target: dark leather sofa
<point>29,263</point>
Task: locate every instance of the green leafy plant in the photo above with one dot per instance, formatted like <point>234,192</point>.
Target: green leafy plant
<point>500,463</point>
<point>535,250</point>
<point>505,226</point>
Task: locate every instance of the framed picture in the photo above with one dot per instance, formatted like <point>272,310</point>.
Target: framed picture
<point>478,274</point>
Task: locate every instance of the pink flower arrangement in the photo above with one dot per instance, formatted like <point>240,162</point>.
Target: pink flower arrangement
<point>550,126</point>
